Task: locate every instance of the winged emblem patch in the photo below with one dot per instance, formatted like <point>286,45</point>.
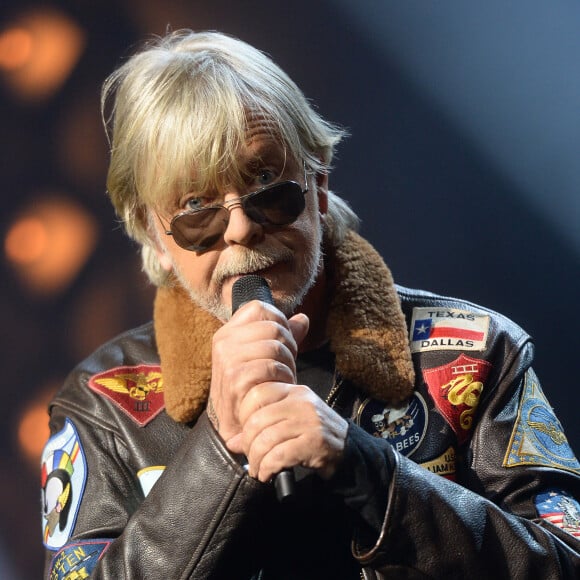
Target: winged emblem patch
<point>136,390</point>
<point>537,436</point>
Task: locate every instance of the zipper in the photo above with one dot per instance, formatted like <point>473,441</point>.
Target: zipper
<point>333,394</point>
<point>330,400</point>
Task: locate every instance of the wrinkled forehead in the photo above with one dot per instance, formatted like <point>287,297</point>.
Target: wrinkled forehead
<point>263,147</point>
<point>222,161</point>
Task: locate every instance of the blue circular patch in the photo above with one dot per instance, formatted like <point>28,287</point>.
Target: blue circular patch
<point>404,428</point>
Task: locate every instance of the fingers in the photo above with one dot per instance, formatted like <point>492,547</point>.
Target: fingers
<point>299,325</point>
<point>237,384</point>
<point>262,396</point>
<point>288,426</point>
<point>258,345</point>
<point>257,397</point>
<point>258,325</point>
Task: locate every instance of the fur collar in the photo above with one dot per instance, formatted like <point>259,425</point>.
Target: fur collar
<point>366,328</point>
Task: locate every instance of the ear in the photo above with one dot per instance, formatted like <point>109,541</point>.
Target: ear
<point>322,192</point>
<point>160,250</point>
<point>163,256</point>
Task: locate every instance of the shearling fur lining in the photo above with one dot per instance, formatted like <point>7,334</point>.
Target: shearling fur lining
<point>184,333</point>
<point>366,328</point>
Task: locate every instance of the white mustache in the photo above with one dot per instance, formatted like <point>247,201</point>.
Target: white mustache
<point>252,260</point>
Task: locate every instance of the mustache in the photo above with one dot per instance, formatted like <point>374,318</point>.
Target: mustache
<point>251,260</point>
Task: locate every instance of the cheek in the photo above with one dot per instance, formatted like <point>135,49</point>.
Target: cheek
<point>195,270</point>
<point>309,226</point>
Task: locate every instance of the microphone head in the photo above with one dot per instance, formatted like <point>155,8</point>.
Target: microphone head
<point>248,288</point>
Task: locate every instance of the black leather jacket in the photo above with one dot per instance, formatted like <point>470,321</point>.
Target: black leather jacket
<point>472,478</point>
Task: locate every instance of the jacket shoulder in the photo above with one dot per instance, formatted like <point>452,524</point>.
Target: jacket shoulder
<point>133,349</point>
<point>419,304</point>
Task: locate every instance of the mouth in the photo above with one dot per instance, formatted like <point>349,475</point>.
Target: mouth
<point>270,273</point>
<point>266,262</point>
<point>266,273</point>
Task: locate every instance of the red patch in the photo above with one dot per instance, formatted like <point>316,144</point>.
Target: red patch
<point>456,388</point>
<point>138,390</point>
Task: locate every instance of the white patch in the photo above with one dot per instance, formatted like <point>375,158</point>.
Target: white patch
<point>63,479</point>
<point>148,477</point>
<point>448,329</point>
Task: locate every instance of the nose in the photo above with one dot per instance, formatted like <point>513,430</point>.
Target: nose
<point>241,230</point>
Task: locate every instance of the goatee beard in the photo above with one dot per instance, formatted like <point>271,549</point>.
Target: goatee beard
<point>254,260</point>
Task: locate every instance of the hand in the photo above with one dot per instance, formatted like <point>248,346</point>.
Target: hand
<point>257,345</point>
<point>287,425</point>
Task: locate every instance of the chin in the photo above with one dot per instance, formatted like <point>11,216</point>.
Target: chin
<point>289,300</point>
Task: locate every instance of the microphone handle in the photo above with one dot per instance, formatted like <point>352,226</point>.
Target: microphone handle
<point>246,289</point>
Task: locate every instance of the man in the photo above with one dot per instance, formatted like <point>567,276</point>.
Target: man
<point>419,438</point>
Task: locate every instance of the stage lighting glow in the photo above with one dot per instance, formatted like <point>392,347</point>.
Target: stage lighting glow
<point>38,51</point>
<point>26,241</point>
<point>15,48</point>
<point>32,429</point>
<point>49,243</point>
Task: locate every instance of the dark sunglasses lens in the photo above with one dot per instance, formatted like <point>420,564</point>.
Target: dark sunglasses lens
<point>278,205</point>
<point>199,231</point>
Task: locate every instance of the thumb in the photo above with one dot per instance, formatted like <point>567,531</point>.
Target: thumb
<point>235,443</point>
<point>299,324</point>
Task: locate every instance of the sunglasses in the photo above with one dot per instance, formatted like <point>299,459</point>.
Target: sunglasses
<point>275,205</point>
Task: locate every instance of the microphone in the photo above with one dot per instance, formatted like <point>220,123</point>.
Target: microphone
<point>245,289</point>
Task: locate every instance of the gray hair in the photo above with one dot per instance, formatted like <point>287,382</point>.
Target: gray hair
<point>183,101</point>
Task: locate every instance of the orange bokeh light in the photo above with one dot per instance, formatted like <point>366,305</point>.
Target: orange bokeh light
<point>49,243</point>
<point>26,241</point>
<point>38,52</point>
<point>32,430</point>
<point>15,48</point>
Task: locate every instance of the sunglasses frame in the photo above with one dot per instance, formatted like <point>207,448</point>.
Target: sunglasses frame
<point>232,203</point>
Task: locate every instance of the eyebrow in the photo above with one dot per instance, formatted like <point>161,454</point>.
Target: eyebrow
<point>270,152</point>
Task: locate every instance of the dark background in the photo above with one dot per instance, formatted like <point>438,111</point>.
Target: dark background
<point>464,122</point>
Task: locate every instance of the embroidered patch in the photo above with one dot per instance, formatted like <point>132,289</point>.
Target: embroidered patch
<point>137,390</point>
<point>448,329</point>
<point>148,477</point>
<point>63,479</point>
<point>403,428</point>
<point>537,437</point>
<point>456,388</point>
<point>443,465</point>
<point>78,560</point>
<point>560,509</point>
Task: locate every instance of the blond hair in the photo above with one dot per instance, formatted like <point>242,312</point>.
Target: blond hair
<point>183,102</point>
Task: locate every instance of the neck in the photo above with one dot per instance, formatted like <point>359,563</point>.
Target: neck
<point>315,306</point>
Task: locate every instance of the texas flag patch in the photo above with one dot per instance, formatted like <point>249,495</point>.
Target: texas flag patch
<point>136,390</point>
<point>448,329</point>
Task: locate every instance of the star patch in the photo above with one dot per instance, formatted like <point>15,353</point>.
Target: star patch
<point>560,509</point>
<point>63,478</point>
<point>448,329</point>
<point>455,389</point>
<point>77,560</point>
<point>537,437</point>
<point>403,428</point>
<point>136,390</point>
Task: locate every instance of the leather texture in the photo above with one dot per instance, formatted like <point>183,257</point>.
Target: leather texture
<point>206,518</point>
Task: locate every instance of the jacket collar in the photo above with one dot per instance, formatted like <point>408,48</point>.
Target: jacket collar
<point>365,326</point>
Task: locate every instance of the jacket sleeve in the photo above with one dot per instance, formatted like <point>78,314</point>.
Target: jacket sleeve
<point>185,527</point>
<point>487,524</point>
